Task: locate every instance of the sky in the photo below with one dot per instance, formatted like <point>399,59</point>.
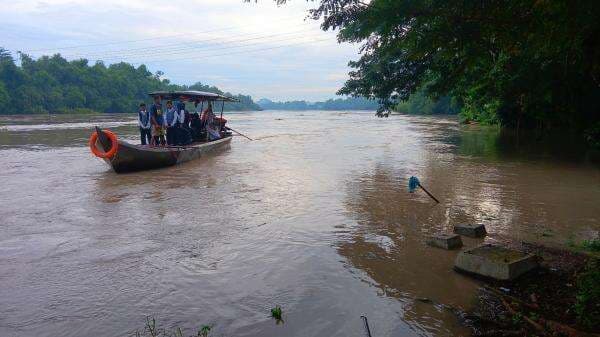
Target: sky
<point>257,48</point>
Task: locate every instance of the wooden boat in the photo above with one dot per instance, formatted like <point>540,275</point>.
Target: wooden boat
<point>130,158</point>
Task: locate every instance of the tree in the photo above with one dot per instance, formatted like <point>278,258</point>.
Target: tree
<point>4,98</point>
<point>532,63</point>
<point>52,84</point>
<point>73,97</point>
<point>6,56</point>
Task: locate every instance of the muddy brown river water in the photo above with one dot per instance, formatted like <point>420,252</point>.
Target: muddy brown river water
<point>314,216</point>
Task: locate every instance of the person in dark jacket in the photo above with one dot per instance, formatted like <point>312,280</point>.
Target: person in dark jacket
<point>196,127</point>
<point>144,124</point>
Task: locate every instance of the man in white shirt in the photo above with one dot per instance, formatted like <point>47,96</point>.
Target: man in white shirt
<point>183,127</point>
<point>171,120</point>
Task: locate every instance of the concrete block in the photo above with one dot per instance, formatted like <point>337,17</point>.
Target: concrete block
<point>470,230</point>
<point>445,241</point>
<point>495,262</point>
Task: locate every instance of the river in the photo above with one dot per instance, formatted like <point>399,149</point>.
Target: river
<point>314,216</point>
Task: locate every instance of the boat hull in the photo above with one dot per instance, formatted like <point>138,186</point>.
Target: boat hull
<point>132,158</point>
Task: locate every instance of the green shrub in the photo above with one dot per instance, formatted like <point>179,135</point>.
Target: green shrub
<point>277,313</point>
<point>592,135</point>
<point>587,305</point>
<point>591,245</point>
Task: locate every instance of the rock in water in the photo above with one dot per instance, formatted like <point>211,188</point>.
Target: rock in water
<point>470,230</point>
<point>445,241</point>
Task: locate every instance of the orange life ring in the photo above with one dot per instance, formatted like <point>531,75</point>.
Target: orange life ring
<point>114,145</point>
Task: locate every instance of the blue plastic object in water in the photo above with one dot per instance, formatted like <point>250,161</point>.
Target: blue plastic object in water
<point>413,183</point>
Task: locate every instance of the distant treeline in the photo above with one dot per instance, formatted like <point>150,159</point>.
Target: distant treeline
<point>51,84</point>
<point>331,104</point>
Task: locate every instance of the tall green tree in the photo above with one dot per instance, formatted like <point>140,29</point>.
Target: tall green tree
<point>532,63</point>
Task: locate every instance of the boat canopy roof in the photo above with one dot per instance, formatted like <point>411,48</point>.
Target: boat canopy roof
<point>192,95</point>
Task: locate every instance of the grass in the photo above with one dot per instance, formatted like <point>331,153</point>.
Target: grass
<point>587,304</point>
<point>152,329</point>
<point>587,299</point>
<point>587,246</point>
<point>204,330</point>
<point>591,245</point>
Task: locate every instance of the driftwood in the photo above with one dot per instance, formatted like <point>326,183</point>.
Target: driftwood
<point>544,324</point>
<point>512,298</point>
<point>531,322</point>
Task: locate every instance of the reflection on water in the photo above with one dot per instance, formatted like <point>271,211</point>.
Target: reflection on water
<point>314,216</point>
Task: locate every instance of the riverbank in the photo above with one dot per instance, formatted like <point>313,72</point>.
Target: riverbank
<point>561,298</point>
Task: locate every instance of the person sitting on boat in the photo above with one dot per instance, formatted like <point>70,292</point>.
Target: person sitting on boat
<point>196,127</point>
<point>172,123</point>
<point>144,124</point>
<point>158,122</point>
<point>208,120</point>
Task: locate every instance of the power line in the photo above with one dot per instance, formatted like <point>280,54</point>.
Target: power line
<point>136,40</point>
<point>120,42</point>
<point>238,52</point>
<point>222,46</point>
<point>162,48</point>
<point>223,54</point>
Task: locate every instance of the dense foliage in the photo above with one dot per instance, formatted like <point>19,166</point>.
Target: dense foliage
<point>51,84</point>
<point>533,63</point>
<point>421,104</point>
<point>349,103</point>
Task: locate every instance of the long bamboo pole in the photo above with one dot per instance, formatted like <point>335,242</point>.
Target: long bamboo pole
<point>239,133</point>
<point>429,194</point>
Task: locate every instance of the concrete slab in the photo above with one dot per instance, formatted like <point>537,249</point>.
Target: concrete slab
<point>470,230</point>
<point>445,241</point>
<point>496,262</point>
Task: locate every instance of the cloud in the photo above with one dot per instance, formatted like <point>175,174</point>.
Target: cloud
<point>254,48</point>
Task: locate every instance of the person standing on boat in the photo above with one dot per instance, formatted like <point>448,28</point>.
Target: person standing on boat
<point>172,121</point>
<point>144,123</point>
<point>184,118</point>
<point>158,121</point>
